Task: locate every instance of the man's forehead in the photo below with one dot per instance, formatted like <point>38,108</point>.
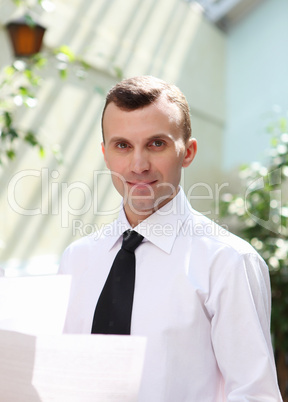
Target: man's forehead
<point>162,104</point>
<point>170,108</point>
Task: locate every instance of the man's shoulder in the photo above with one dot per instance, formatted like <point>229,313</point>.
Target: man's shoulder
<point>216,235</point>
<point>83,242</point>
<point>94,240</point>
<point>87,250</point>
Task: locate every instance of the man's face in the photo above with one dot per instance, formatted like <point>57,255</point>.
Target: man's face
<point>145,151</point>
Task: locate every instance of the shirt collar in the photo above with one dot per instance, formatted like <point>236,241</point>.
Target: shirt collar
<point>160,228</point>
<point>114,230</point>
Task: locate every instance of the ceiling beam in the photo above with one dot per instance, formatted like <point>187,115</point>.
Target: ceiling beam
<point>216,11</point>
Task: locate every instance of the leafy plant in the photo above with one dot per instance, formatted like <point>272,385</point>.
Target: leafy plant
<point>19,83</point>
<point>262,216</point>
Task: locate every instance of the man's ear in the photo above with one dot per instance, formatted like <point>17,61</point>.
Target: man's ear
<point>104,154</point>
<point>191,150</point>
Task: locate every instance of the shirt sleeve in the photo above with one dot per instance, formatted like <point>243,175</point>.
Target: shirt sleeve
<point>70,260</point>
<point>240,306</point>
<point>64,266</point>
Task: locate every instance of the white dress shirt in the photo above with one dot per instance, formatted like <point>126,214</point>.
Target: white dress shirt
<point>202,299</point>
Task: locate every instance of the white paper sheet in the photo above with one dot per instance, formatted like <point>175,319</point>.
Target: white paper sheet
<point>34,305</point>
<point>70,368</point>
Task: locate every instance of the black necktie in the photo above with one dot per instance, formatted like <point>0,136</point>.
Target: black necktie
<point>114,308</point>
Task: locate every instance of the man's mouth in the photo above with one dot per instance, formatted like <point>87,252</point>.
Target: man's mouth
<point>141,184</point>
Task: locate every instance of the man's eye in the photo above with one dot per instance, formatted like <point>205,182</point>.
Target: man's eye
<point>122,145</point>
<point>157,143</point>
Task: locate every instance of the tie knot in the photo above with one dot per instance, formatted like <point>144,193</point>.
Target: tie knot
<point>131,240</point>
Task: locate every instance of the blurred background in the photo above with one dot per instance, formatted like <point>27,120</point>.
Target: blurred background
<point>230,59</point>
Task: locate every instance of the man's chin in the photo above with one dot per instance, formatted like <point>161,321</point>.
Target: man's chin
<point>144,208</point>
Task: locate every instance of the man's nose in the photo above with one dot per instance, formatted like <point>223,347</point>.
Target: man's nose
<point>140,162</point>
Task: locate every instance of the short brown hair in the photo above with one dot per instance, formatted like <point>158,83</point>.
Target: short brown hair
<point>137,92</point>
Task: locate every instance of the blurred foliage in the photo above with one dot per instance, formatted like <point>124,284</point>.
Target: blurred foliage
<point>46,5</point>
<point>20,81</point>
<point>262,216</point>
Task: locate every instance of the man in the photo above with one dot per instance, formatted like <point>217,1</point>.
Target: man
<point>201,298</point>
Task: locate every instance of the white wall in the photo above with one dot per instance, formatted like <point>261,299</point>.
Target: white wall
<point>257,83</point>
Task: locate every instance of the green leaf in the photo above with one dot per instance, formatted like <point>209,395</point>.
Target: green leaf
<point>67,52</point>
<point>243,167</point>
<point>13,134</point>
<point>85,65</point>
<point>41,152</point>
<point>10,71</point>
<point>11,154</point>
<point>23,91</point>
<point>39,60</point>
<point>28,74</point>
<point>274,142</point>
<point>118,71</point>
<point>31,139</point>
<point>63,73</point>
<point>33,78</point>
<point>283,124</point>
<point>30,21</point>
<point>8,119</point>
<point>18,2</point>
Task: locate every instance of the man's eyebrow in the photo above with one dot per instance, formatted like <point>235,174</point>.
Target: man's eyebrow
<point>160,136</point>
<point>118,139</point>
<point>151,138</point>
